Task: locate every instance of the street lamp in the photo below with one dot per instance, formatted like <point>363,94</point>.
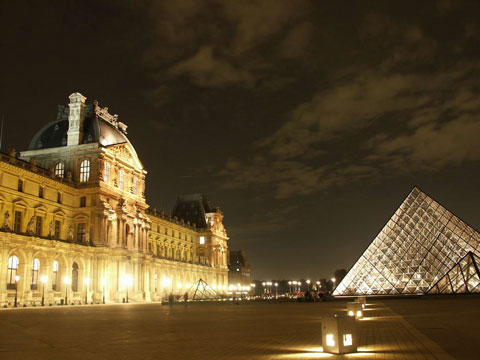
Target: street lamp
<point>17,279</point>
<point>66,281</point>
<point>276,290</point>
<point>104,282</point>
<point>333,280</point>
<point>318,285</point>
<point>86,282</point>
<point>43,279</point>
<point>308,285</point>
<point>127,282</point>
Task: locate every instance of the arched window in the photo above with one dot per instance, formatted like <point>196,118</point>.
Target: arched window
<point>121,178</point>
<point>55,275</point>
<point>60,169</point>
<point>74,277</point>
<point>106,171</point>
<point>35,268</point>
<point>12,272</point>
<point>84,170</point>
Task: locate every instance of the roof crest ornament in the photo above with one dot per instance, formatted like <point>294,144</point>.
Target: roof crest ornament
<point>103,114</point>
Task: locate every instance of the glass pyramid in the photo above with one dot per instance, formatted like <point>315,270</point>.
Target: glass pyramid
<point>462,278</point>
<point>418,246</point>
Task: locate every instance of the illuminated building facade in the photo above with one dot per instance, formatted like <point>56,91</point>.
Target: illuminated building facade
<point>423,248</point>
<point>75,223</point>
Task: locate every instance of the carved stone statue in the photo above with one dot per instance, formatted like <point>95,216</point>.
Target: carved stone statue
<point>6,221</point>
<point>70,233</point>
<point>31,226</point>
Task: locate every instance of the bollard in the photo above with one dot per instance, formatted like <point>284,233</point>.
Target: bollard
<point>355,309</point>
<point>339,334</point>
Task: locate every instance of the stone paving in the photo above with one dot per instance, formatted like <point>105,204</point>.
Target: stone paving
<point>220,331</point>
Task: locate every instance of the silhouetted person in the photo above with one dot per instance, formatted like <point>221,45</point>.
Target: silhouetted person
<point>170,299</point>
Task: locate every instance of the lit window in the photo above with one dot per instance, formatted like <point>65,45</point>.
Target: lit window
<point>347,339</point>
<point>202,240</point>
<point>330,340</point>
<point>60,169</point>
<point>121,179</point>
<point>84,170</point>
<point>55,275</point>
<point>106,171</point>
<point>35,268</point>
<point>12,272</point>
<point>134,188</point>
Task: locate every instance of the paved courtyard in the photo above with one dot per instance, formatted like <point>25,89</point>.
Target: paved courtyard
<point>428,328</point>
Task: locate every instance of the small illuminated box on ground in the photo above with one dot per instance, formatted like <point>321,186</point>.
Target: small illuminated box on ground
<point>362,300</point>
<point>355,309</point>
<point>339,334</point>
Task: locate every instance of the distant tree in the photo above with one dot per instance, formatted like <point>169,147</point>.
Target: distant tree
<point>339,275</point>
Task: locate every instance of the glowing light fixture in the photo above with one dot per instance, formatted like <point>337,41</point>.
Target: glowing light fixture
<point>339,334</point>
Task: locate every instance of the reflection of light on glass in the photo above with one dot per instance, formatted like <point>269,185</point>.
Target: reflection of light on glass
<point>347,339</point>
<point>330,340</point>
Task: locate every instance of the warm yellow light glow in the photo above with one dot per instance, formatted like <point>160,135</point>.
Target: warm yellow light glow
<point>308,282</point>
<point>67,280</point>
<point>180,285</point>
<point>166,282</point>
<point>43,279</point>
<point>17,278</point>
<point>330,340</point>
<point>333,280</point>
<point>127,280</point>
<point>86,281</point>
<point>350,313</point>
<point>104,281</point>
<point>359,314</point>
<point>347,339</point>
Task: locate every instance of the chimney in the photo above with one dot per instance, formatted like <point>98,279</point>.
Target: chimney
<point>75,119</point>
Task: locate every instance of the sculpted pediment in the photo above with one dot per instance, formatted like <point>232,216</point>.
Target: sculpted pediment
<point>125,152</point>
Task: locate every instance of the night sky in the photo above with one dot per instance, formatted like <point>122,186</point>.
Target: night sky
<point>307,122</point>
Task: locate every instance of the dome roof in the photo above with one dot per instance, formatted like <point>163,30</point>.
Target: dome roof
<point>95,130</point>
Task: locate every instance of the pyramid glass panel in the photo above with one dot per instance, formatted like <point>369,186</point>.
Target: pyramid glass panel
<point>422,248</point>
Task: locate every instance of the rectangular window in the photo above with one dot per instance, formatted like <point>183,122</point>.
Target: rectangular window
<point>106,172</point>
<point>83,201</point>
<point>121,179</point>
<point>55,275</point>
<point>134,188</point>
<point>81,232</point>
<point>57,229</point>
<point>17,226</point>
<point>38,226</point>
<point>59,197</point>
<point>40,192</point>
<point>20,185</point>
<point>202,240</point>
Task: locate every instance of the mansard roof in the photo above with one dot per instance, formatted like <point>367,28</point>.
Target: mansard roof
<point>95,130</point>
<point>192,208</point>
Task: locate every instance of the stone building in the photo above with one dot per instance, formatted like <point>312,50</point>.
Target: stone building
<point>239,268</point>
<point>76,225</point>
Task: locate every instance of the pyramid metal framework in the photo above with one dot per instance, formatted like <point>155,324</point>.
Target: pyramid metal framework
<point>418,246</point>
<point>202,291</point>
<point>464,277</point>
